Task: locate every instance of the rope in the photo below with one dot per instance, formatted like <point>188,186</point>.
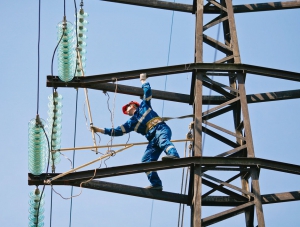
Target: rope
<point>184,176</point>
<point>112,116</point>
<point>86,164</point>
<point>83,182</point>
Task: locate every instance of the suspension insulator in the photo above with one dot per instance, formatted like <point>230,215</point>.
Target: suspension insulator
<point>54,125</point>
<point>37,151</point>
<point>66,51</point>
<point>36,209</point>
<point>81,37</point>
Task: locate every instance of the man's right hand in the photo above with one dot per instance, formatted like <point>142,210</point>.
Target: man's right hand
<point>95,129</point>
<point>143,77</point>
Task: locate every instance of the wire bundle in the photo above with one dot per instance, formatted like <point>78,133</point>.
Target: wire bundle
<point>36,208</point>
<point>66,58</point>
<point>36,146</point>
<point>81,39</point>
<point>54,125</point>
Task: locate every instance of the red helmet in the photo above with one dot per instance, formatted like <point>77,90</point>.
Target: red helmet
<point>124,108</point>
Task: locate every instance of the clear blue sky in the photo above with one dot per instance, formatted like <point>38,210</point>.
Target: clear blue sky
<point>120,38</point>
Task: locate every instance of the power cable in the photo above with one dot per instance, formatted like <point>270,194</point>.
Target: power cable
<point>38,97</point>
<point>75,122</point>
<point>38,73</point>
<point>50,144</point>
<point>74,143</point>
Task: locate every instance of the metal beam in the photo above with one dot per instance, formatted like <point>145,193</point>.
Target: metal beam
<point>160,165</point>
<point>54,81</point>
<point>269,6</point>
<point>183,98</point>
<point>280,197</point>
<point>196,209</point>
<point>217,45</point>
<point>247,8</point>
<point>133,191</point>
<point>266,199</point>
<point>137,91</point>
<point>224,190</point>
<point>220,138</point>
<point>226,214</point>
<point>157,4</point>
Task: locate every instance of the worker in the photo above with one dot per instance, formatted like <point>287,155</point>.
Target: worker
<point>146,122</point>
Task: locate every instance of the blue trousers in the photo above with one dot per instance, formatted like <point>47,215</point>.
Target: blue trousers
<point>159,143</point>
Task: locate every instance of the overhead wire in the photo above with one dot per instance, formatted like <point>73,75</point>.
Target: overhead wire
<point>75,121</point>
<point>74,144</point>
<point>38,73</point>
<point>50,144</point>
<point>38,96</point>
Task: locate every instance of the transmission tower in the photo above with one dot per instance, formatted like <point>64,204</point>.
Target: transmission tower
<point>240,160</point>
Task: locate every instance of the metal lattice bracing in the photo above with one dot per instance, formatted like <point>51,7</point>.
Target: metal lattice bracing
<point>240,160</point>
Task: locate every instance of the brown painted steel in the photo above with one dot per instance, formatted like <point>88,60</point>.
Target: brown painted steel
<point>247,8</point>
<point>257,197</point>
<point>226,214</point>
<point>160,165</point>
<point>224,190</point>
<point>157,4</point>
<point>54,81</point>
<point>220,186</point>
<point>134,191</point>
<point>196,212</point>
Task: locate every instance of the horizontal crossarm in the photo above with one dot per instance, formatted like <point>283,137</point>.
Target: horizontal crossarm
<point>160,165</point>
<point>134,191</point>
<point>266,199</point>
<point>247,8</point>
<point>54,81</point>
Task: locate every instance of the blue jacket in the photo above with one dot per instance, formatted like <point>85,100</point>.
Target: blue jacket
<point>138,122</point>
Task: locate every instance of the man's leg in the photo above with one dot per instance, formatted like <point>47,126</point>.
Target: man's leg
<point>151,154</point>
<point>163,135</point>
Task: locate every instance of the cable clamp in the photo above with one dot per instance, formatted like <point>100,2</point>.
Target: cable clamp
<point>111,152</point>
<point>47,181</point>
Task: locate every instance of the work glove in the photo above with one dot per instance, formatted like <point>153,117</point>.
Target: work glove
<point>143,77</point>
<point>95,129</point>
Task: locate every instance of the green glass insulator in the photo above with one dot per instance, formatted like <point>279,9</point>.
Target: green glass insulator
<point>66,51</point>
<point>36,146</point>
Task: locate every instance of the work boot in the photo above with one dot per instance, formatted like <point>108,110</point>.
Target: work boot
<point>168,157</point>
<point>158,187</point>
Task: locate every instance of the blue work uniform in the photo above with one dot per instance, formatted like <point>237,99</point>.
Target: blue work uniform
<point>147,122</point>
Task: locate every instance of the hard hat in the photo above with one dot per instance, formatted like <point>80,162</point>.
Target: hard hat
<point>124,108</point>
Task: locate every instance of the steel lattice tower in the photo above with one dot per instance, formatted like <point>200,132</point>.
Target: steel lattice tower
<point>240,160</point>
